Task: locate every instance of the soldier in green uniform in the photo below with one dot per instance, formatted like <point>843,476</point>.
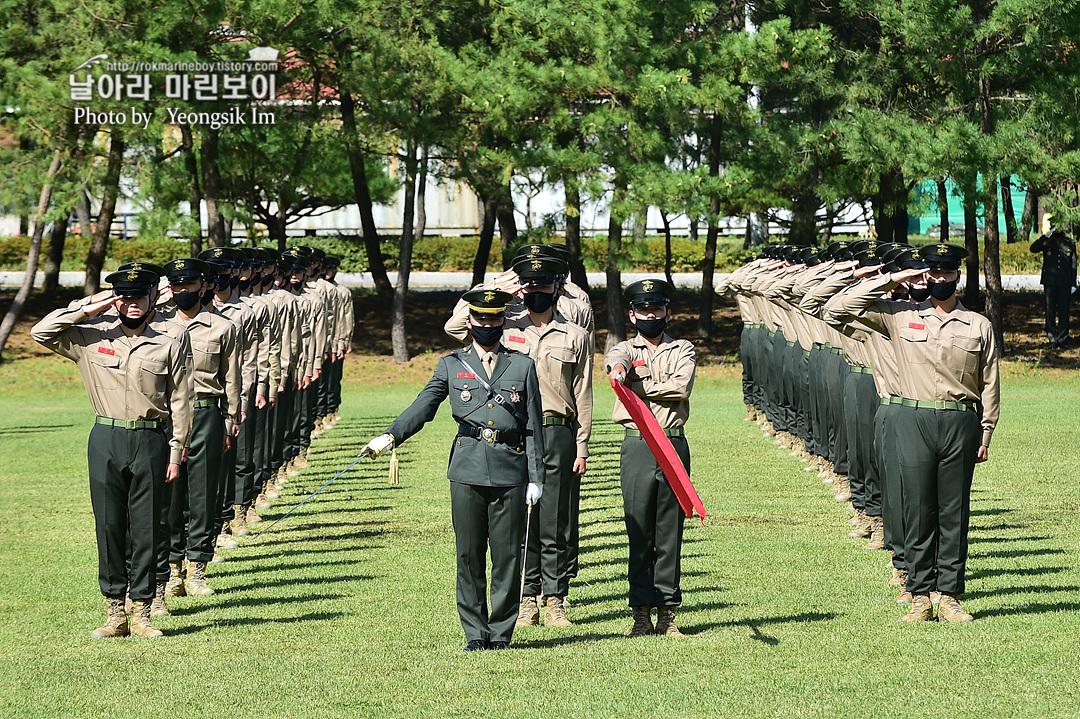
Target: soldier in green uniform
<point>1058,280</point>
<point>496,463</point>
<point>137,382</point>
<point>660,370</point>
<point>948,369</point>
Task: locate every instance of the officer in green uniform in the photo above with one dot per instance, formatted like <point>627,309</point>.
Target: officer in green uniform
<point>660,370</point>
<point>137,382</point>
<point>1058,280</point>
<point>499,449</point>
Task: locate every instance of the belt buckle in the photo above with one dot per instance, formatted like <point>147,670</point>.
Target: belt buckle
<point>129,423</point>
<point>940,404</point>
<point>488,434</point>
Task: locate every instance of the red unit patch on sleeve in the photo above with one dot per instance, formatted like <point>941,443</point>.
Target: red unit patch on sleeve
<point>106,351</point>
<point>466,375</point>
<point>916,326</point>
<point>638,363</point>
<point>516,339</point>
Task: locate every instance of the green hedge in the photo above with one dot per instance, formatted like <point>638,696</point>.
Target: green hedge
<point>455,254</point>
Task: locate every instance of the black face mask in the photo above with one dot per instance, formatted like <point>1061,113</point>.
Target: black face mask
<point>207,297</point>
<point>186,300</point>
<point>297,285</point>
<point>486,336</point>
<point>221,283</point>
<point>942,291</point>
<point>132,323</point>
<point>651,328</point>
<point>234,281</point>
<point>243,285</point>
<point>539,302</point>
<point>919,295</point>
<point>266,280</point>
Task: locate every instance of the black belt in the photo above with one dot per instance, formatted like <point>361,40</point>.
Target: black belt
<point>489,435</point>
<point>129,423</point>
<point>670,432</point>
<point>960,406</point>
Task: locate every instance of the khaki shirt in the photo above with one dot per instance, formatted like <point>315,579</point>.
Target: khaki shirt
<point>215,351</point>
<point>330,300</point>
<point>516,312</point>
<point>317,317</point>
<point>247,330</point>
<point>938,357</point>
<point>270,341</point>
<point>345,320</point>
<point>263,327</point>
<point>129,378</point>
<point>562,353</point>
<point>663,378</point>
<point>292,349</point>
<point>308,310</point>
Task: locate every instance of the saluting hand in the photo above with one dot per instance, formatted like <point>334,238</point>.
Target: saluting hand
<point>99,302</point>
<point>905,275</point>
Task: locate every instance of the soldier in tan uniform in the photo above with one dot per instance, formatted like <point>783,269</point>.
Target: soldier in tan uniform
<point>137,382</point>
<point>563,356</point>
<point>343,324</point>
<point>660,370</point>
<point>292,365</point>
<point>948,367</point>
<point>191,508</point>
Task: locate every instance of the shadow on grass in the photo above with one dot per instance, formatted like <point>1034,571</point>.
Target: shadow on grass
<point>34,429</point>
<point>299,581</point>
<point>249,621</point>
<point>1027,589</point>
<point>1007,540</point>
<point>1033,608</point>
<point>1010,553</point>
<point>1017,572</point>
<point>247,601</point>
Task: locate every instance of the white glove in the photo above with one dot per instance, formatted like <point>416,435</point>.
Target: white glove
<point>378,445</point>
<point>532,494</point>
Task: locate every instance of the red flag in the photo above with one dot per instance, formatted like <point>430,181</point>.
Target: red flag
<point>661,448</point>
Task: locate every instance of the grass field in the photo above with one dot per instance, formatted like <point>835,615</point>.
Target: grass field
<point>346,609</point>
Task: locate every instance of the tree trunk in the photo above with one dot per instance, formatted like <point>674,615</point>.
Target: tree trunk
<point>667,247</point>
<point>708,263</point>
<point>694,229</point>
<point>882,204</point>
<point>804,219</point>
<point>211,182</point>
<point>943,210</point>
<point>900,212</point>
<point>830,220</point>
<point>1028,215</point>
<point>100,243</point>
<point>616,315</point>
<point>21,296</point>
<point>1011,234</point>
<point>572,190</point>
<point>971,240</point>
<point>487,234</point>
<point>363,197</point>
<point>397,312</point>
<point>191,166</point>
<point>421,193</point>
<point>82,211</point>
<point>504,211</point>
<point>55,255</point>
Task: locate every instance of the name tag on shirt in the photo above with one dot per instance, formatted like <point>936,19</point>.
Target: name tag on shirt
<point>106,351</point>
<point>466,375</point>
<point>638,363</point>
<point>916,326</point>
<point>516,339</point>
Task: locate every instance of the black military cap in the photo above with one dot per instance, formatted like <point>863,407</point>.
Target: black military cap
<point>799,255</point>
<point>561,251</point>
<point>487,303</point>
<point>187,269</point>
<point>270,254</point>
<point>911,258</point>
<point>812,258</point>
<point>317,254</point>
<point>213,269</point>
<point>840,250</point>
<point>293,262</point>
<point>869,257</point>
<point>944,256</point>
<point>539,270</point>
<point>889,258</point>
<point>133,283</point>
<point>253,256</point>
<point>149,266</point>
<point>299,250</point>
<point>331,261</point>
<point>649,293</point>
<point>227,256</point>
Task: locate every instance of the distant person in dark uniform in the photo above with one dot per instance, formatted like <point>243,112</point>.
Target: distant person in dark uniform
<point>1058,280</point>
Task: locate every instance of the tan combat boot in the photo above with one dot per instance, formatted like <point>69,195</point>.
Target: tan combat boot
<point>904,598</point>
<point>899,578</point>
<point>117,624</point>
<point>301,460</point>
<point>175,586</point>
<point>291,470</point>
<point>665,622</point>
<point>921,609</point>
<point>768,429</point>
<point>555,614</point>
<point>157,607</point>
<point>843,494</point>
<point>195,584</point>
<point>261,502</point>
<point>863,525</point>
<point>949,609</point>
<point>317,430</point>
<point>643,626</point>
<point>251,516</point>
<point>238,524</point>
<point>751,415</point>
<point>225,541</point>
<point>272,493</point>
<point>528,613</point>
<point>877,534</point>
<point>141,626</point>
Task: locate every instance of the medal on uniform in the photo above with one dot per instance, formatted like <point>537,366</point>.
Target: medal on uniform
<point>466,395</point>
<point>515,397</point>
